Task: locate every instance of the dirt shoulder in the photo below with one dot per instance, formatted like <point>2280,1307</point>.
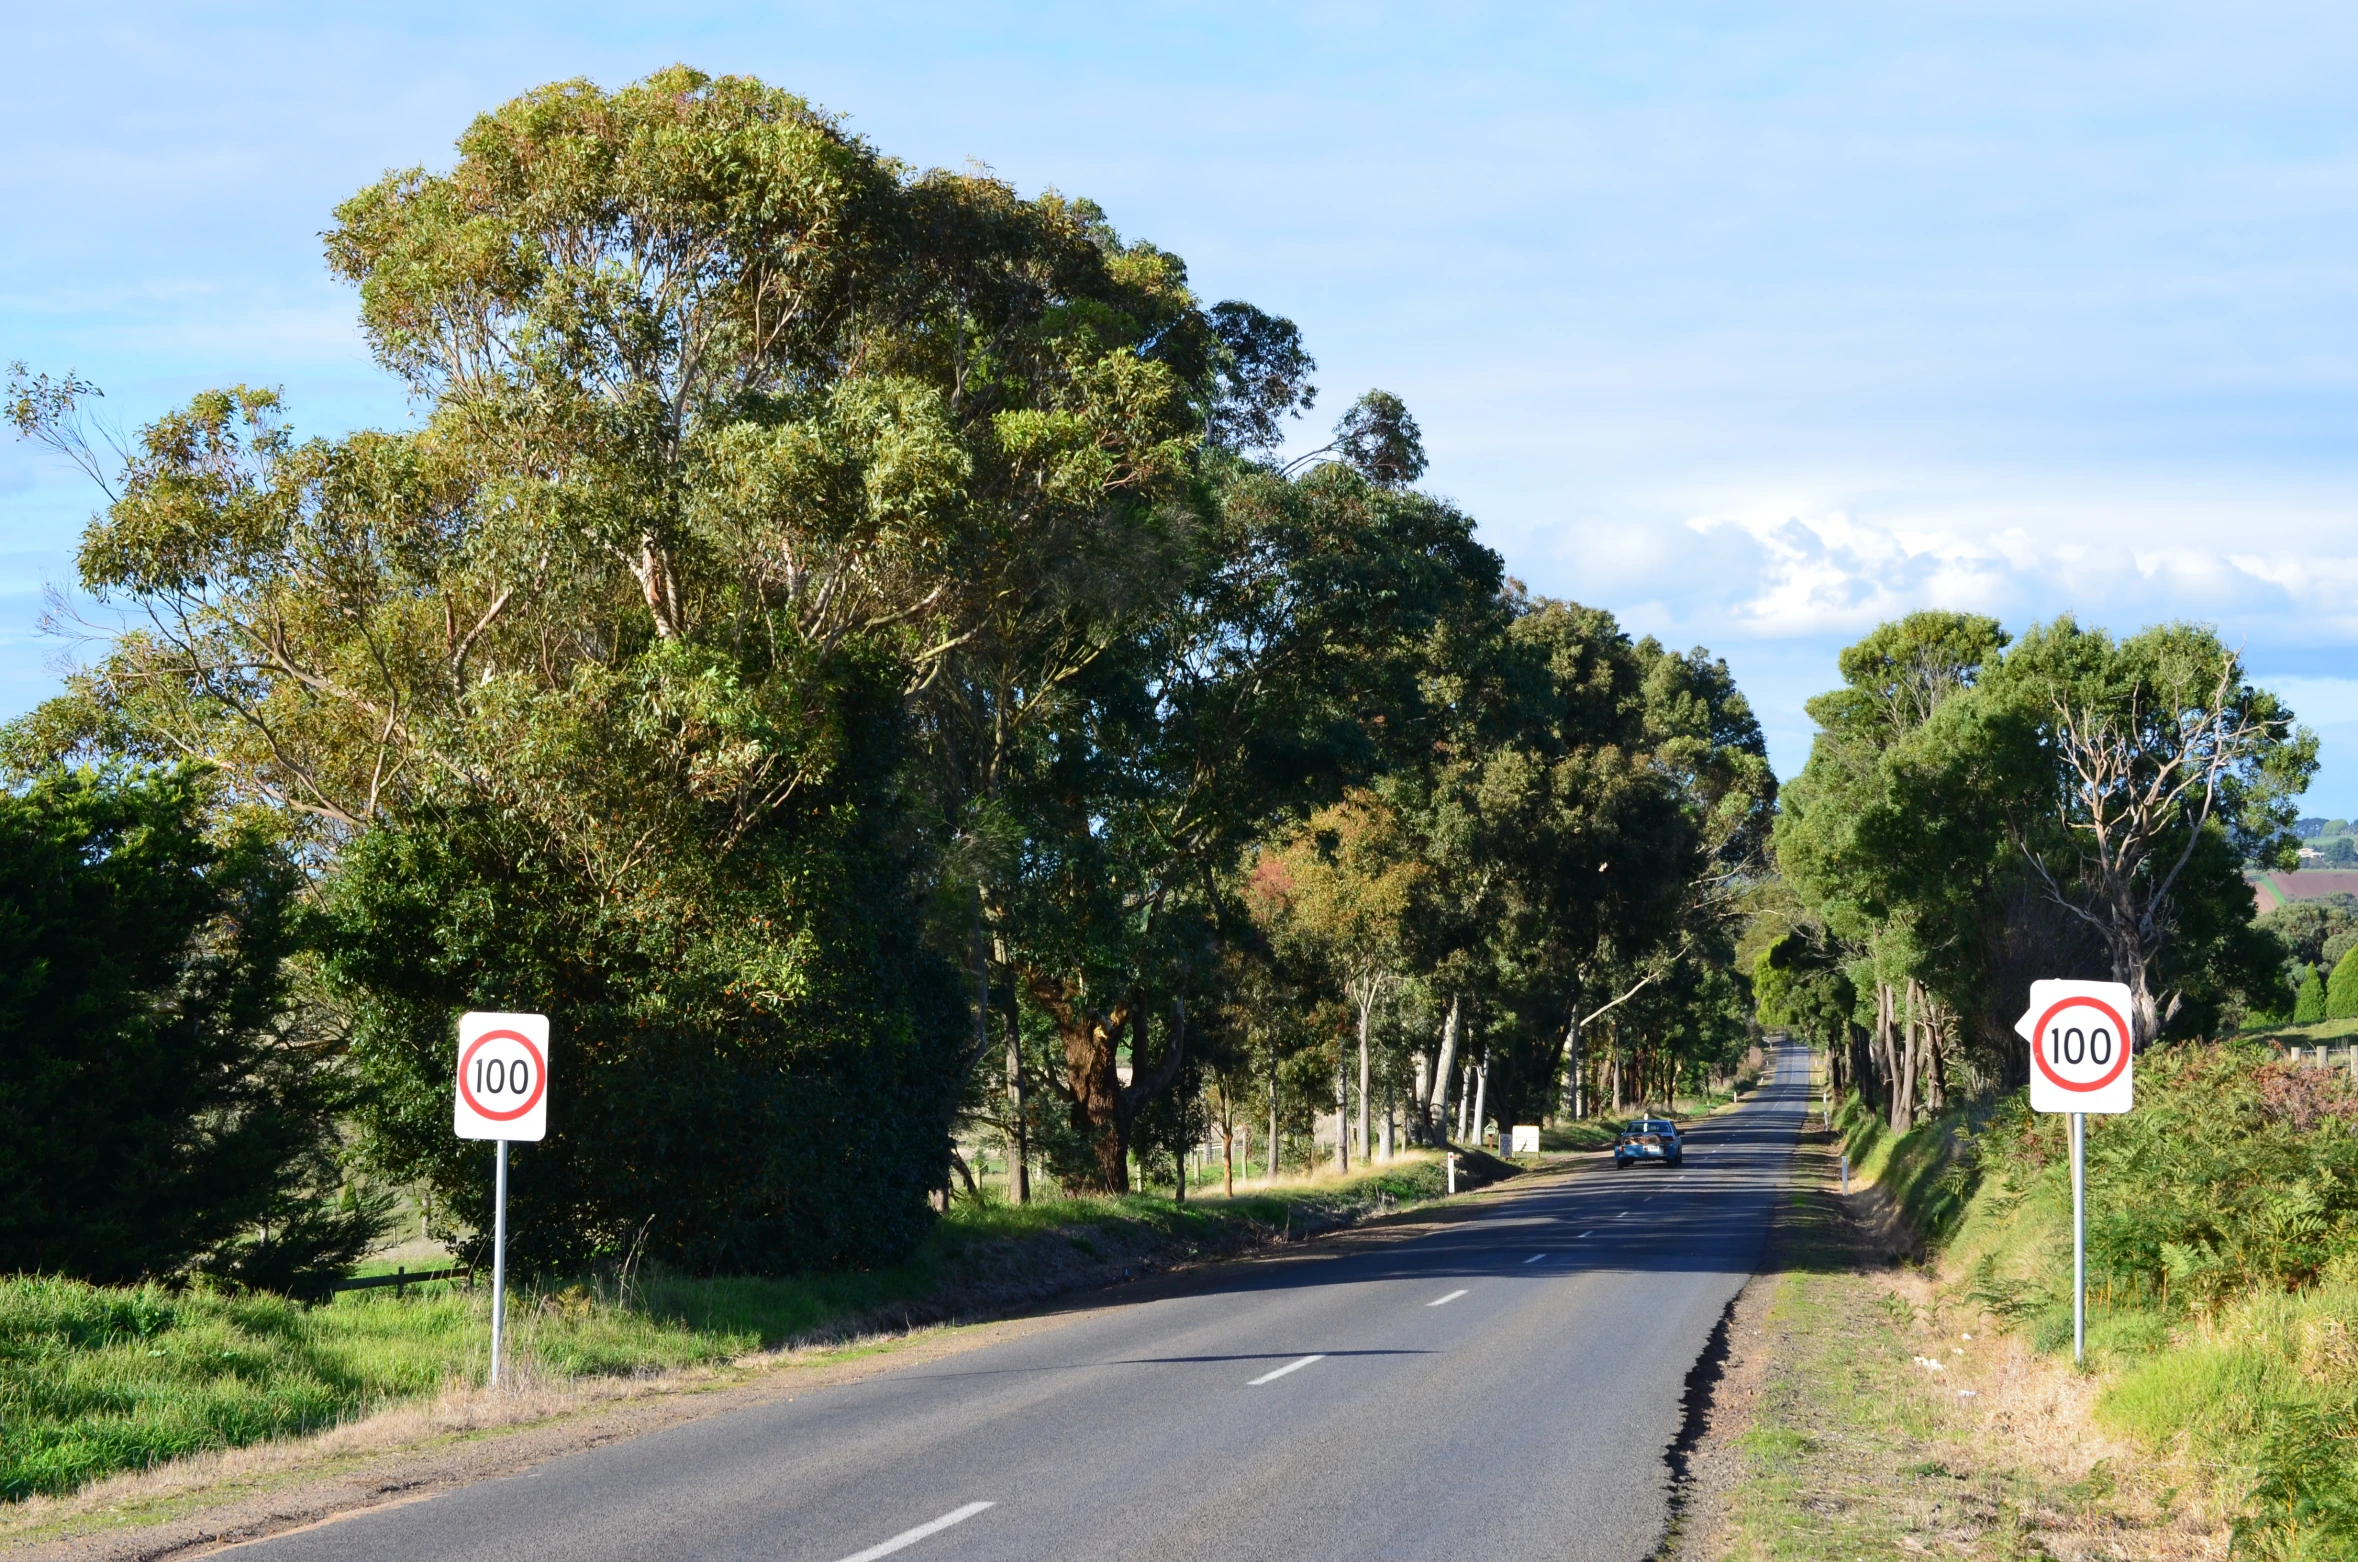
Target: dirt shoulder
<point>1830,1433</point>
<point>415,1450</point>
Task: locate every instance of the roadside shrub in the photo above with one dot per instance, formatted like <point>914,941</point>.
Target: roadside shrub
<point>2305,1503</point>
<point>2234,1174</point>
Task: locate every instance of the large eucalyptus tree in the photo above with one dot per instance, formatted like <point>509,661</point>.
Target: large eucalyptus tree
<point>738,440</point>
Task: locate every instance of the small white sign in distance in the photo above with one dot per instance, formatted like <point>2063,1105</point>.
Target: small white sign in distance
<point>2081,1057</point>
<point>503,1077</point>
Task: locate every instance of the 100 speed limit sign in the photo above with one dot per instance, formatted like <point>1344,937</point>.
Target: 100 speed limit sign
<point>2079,1037</point>
<point>503,1077</point>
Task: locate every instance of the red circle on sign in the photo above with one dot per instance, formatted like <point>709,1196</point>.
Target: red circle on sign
<point>540,1075</point>
<point>2039,1054</point>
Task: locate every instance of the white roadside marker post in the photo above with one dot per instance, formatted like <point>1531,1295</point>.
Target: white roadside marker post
<point>502,1094</point>
<point>2082,1061</point>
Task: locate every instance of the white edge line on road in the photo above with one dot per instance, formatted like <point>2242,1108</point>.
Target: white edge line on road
<point>1266,1377</point>
<point>910,1537</point>
<point>1451,1297</point>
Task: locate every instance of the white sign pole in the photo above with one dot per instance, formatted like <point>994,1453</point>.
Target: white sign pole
<point>2082,1061</point>
<point>2079,1238</point>
<point>499,1259</point>
<point>503,1094</point>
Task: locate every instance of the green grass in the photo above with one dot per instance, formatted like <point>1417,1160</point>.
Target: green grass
<point>2309,1035</point>
<point>1589,1133</point>
<point>99,1379</point>
<point>2263,1394</point>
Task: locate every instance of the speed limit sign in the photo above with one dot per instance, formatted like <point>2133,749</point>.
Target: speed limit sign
<point>2079,1035</point>
<point>503,1094</point>
<point>503,1077</point>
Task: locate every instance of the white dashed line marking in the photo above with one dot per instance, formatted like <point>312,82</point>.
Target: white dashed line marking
<point>1291,1366</point>
<point>1451,1297</point>
<point>1534,1258</point>
<point>910,1537</point>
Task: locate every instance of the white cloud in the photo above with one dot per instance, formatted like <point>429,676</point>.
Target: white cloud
<point>2318,702</point>
<point>1834,574</point>
<point>1783,574</point>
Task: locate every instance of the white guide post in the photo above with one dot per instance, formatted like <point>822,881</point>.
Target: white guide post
<point>502,1094</point>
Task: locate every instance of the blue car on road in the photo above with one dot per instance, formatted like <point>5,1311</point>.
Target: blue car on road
<point>1649,1139</point>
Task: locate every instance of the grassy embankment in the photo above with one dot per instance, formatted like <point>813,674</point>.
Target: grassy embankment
<point>2337,1034</point>
<point>99,1379</point>
<point>2221,1395</point>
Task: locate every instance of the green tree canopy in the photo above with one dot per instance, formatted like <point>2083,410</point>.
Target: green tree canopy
<point>1975,814</point>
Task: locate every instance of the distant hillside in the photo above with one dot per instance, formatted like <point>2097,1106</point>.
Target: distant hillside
<point>2278,889</point>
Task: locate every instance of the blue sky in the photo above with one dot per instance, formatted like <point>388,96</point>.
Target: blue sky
<point>1754,324</point>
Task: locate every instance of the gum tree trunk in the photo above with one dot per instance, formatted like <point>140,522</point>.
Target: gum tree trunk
<point>1367,998</point>
<point>1445,1068</point>
<point>1481,1097</point>
<point>1342,1112</point>
<point>1273,1114</point>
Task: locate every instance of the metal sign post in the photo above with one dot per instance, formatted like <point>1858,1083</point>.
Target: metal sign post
<point>499,1259</point>
<point>503,1094</point>
<point>2082,1061</point>
<point>2079,1237</point>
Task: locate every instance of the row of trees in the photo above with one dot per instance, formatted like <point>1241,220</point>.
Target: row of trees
<point>1566,859</point>
<point>837,638</point>
<point>1978,812</point>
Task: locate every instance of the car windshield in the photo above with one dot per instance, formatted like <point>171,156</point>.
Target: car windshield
<point>1641,1126</point>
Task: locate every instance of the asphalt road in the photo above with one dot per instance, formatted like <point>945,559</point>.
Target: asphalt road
<point>1507,1387</point>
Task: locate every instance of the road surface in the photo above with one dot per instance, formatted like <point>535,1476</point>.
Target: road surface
<point>1507,1386</point>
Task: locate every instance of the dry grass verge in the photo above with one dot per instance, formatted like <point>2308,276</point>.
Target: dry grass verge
<point>1854,1447</point>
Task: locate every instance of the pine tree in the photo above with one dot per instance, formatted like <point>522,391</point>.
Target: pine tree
<point>2309,1002</point>
<point>2341,993</point>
